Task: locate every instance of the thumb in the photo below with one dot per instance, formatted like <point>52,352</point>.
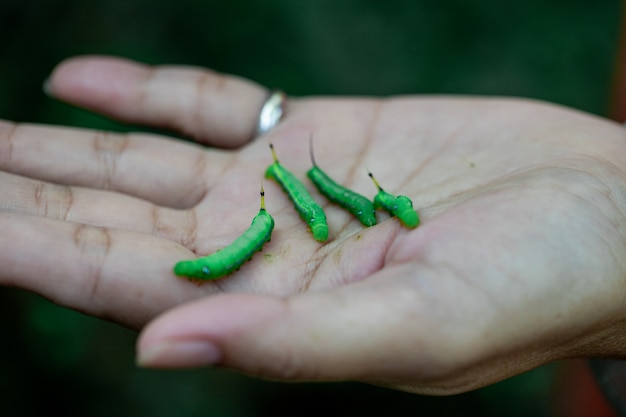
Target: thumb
<point>368,331</point>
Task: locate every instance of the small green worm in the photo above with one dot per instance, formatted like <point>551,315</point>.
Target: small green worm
<point>309,210</point>
<point>399,206</point>
<point>361,207</point>
<point>226,261</point>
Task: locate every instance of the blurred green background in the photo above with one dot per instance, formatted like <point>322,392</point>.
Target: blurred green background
<point>56,360</point>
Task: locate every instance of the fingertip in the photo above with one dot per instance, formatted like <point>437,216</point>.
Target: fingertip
<point>313,336</point>
<point>94,81</point>
<point>196,334</point>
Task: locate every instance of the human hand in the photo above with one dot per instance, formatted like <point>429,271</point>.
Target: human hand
<point>518,262</point>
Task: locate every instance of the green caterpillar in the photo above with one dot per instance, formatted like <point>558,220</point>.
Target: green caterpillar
<point>230,259</point>
<point>355,203</point>
<point>309,210</point>
<point>399,206</point>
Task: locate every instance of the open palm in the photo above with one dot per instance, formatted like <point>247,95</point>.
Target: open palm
<point>519,260</point>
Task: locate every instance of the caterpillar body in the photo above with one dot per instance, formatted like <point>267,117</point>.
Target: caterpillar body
<point>399,206</point>
<point>228,260</point>
<point>361,207</point>
<point>307,207</point>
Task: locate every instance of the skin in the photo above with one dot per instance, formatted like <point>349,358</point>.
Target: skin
<point>519,260</point>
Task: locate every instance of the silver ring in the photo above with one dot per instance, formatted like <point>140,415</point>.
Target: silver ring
<point>271,112</point>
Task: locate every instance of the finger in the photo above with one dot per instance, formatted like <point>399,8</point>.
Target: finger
<point>166,172</point>
<point>213,108</point>
<point>109,273</point>
<point>96,208</point>
<point>352,333</point>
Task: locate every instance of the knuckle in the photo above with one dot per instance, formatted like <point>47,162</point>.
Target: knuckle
<point>94,245</point>
<point>108,149</point>
<point>53,201</point>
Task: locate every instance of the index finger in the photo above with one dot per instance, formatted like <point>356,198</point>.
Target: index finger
<point>210,107</point>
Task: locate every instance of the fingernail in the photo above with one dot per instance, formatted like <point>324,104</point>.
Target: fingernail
<point>179,354</point>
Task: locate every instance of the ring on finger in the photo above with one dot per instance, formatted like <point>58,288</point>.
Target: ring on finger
<point>271,112</point>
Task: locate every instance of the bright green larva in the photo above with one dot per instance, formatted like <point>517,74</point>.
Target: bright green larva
<point>309,210</point>
<point>228,260</point>
<point>399,206</point>
<point>355,203</point>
